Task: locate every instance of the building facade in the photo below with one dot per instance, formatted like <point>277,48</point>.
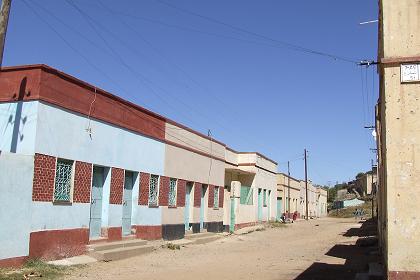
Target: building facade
<point>398,138</point>
<point>290,189</point>
<point>78,165</point>
<point>250,189</point>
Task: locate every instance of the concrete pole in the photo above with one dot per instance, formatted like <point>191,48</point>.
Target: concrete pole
<point>306,187</point>
<point>288,186</point>
<point>4,20</point>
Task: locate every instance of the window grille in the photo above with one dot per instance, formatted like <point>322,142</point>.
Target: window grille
<point>63,180</point>
<point>172,192</point>
<point>216,198</point>
<point>265,197</point>
<point>153,190</point>
<point>246,196</point>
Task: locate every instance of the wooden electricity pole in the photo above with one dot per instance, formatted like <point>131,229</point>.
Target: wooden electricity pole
<point>4,20</point>
<point>288,186</point>
<point>306,186</point>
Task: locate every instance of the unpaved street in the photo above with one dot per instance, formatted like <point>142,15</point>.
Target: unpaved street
<point>276,253</point>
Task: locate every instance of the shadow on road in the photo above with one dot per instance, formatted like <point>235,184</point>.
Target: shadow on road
<point>357,256</point>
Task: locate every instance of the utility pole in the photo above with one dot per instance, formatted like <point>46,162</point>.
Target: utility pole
<point>4,20</point>
<point>288,188</point>
<point>306,186</point>
<point>371,190</point>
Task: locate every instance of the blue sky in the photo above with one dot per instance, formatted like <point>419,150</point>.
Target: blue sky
<point>252,93</point>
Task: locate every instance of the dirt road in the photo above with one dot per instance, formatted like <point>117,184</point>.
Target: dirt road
<point>276,253</point>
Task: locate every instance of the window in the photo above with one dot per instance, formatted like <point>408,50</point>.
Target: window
<point>265,197</point>
<point>216,198</point>
<point>63,180</point>
<point>246,195</point>
<point>172,192</point>
<point>153,190</point>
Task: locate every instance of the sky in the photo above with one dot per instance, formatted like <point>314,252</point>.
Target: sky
<point>257,74</point>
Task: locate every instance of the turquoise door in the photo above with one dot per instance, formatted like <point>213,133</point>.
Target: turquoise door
<point>232,215</point>
<point>279,210</point>
<point>96,202</point>
<point>202,205</point>
<point>260,205</point>
<point>268,205</point>
<point>127,202</point>
<point>187,206</point>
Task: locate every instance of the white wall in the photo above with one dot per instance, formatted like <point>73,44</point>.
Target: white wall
<point>27,126</point>
<point>63,134</point>
<point>16,175</point>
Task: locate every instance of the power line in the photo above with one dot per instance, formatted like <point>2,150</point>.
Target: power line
<point>103,73</point>
<point>135,31</point>
<point>147,81</point>
<point>90,63</point>
<point>261,36</point>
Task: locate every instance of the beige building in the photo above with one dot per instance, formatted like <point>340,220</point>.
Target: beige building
<point>366,183</point>
<point>292,191</point>
<point>398,137</point>
<point>322,196</point>
<point>250,189</point>
<point>289,188</point>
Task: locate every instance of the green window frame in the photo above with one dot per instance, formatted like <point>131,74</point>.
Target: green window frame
<point>63,182</point>
<point>172,192</point>
<point>216,198</point>
<point>246,196</point>
<point>264,198</point>
<point>153,190</point>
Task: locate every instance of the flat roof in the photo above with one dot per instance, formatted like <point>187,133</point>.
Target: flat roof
<point>114,97</point>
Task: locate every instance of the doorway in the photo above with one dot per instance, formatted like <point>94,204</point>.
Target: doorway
<point>127,202</point>
<point>96,202</point>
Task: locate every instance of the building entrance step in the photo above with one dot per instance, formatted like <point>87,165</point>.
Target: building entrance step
<point>114,245</point>
<point>121,252</point>
<point>192,236</point>
<point>202,238</point>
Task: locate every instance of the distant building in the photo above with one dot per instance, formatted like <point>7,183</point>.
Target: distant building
<point>338,204</point>
<point>293,192</point>
<point>366,183</point>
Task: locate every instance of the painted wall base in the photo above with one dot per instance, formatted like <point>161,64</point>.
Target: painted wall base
<point>243,225</point>
<point>172,232</point>
<point>403,275</point>
<point>13,262</point>
<point>214,226</point>
<point>148,232</point>
<point>58,244</point>
<point>195,227</point>
<point>112,233</point>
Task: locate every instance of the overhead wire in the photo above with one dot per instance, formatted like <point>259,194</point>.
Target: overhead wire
<point>191,108</point>
<point>261,36</point>
<point>146,81</point>
<point>169,61</point>
<point>103,73</point>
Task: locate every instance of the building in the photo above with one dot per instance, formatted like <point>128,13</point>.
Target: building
<point>292,191</point>
<point>365,183</point>
<point>80,165</point>
<point>398,138</point>
<point>343,203</point>
<point>322,201</point>
<point>290,194</point>
<point>250,189</point>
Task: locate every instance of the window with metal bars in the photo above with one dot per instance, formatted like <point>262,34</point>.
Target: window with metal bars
<point>153,190</point>
<point>63,180</point>
<point>264,198</point>
<point>172,192</point>
<point>216,198</point>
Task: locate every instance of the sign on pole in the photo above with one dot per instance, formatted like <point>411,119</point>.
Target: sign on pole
<point>410,73</point>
